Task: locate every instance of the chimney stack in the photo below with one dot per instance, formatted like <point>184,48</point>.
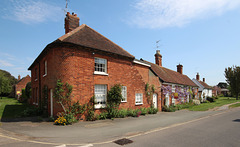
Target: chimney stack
<point>180,69</point>
<point>71,22</point>
<point>197,76</point>
<point>19,77</point>
<point>203,80</point>
<point>158,58</point>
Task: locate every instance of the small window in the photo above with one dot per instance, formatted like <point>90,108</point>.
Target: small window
<point>45,68</point>
<point>100,95</point>
<point>124,94</point>
<point>33,96</point>
<point>139,98</point>
<point>100,65</point>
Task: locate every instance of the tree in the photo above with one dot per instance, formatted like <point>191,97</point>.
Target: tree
<point>232,75</point>
<point>28,90</point>
<point>5,87</point>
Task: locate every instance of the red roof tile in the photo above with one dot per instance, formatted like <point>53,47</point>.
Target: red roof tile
<point>170,76</point>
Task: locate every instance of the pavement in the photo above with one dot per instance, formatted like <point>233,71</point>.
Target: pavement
<point>98,132</point>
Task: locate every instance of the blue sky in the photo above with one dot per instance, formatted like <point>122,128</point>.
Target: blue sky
<point>203,36</point>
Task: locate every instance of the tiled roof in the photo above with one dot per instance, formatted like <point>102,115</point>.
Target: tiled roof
<point>205,85</point>
<point>170,76</point>
<point>86,36</point>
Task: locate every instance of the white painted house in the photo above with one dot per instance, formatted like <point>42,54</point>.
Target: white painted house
<point>204,89</point>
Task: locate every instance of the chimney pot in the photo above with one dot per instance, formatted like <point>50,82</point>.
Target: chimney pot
<point>158,58</point>
<point>197,76</point>
<point>71,22</point>
<point>180,69</point>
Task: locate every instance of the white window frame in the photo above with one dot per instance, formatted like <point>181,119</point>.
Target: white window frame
<point>124,94</point>
<point>45,68</point>
<point>138,99</point>
<point>101,92</point>
<point>105,69</point>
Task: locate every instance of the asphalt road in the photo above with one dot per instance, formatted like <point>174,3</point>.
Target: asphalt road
<point>214,129</point>
<point>220,130</point>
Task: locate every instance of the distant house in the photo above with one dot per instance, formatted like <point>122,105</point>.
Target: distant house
<point>21,84</point>
<point>224,88</point>
<point>216,91</point>
<point>92,64</point>
<point>176,87</point>
<point>204,89</point>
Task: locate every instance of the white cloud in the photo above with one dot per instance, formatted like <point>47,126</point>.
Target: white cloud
<point>33,11</point>
<point>170,13</point>
<point>5,63</point>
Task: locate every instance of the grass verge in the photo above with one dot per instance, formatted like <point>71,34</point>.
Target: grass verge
<point>219,102</point>
<point>234,105</point>
<point>11,108</point>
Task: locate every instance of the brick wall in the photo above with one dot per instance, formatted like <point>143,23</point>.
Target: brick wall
<point>76,66</point>
<point>21,85</point>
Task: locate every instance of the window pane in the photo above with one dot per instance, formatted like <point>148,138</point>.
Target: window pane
<point>100,64</point>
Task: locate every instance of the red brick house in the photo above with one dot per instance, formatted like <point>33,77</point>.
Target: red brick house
<point>21,84</point>
<point>176,87</point>
<point>92,64</point>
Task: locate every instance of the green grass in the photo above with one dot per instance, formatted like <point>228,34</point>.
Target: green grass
<point>235,105</point>
<point>219,102</point>
<point>10,107</point>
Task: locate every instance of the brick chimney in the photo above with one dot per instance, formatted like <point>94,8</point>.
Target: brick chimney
<point>197,76</point>
<point>71,22</point>
<point>158,58</point>
<point>180,68</point>
<point>19,77</point>
<point>203,80</point>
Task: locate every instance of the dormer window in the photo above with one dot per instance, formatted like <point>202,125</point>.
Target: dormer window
<point>100,66</point>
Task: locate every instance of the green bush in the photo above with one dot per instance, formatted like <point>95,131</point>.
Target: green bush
<point>144,111</point>
<point>70,118</point>
<point>211,99</point>
<point>31,111</point>
<point>103,115</point>
<point>152,110</point>
<point>122,113</point>
<point>131,112</point>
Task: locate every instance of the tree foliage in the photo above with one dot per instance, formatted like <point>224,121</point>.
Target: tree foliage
<point>232,75</point>
<point>6,82</point>
<point>28,89</point>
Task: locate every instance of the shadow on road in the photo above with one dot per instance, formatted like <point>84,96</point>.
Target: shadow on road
<point>12,113</point>
<point>236,120</point>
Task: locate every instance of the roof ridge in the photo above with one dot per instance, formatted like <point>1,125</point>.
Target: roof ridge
<point>65,36</point>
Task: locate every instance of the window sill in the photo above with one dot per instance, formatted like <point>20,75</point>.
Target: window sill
<point>45,75</point>
<point>99,106</point>
<point>123,101</point>
<point>100,73</point>
<point>138,103</point>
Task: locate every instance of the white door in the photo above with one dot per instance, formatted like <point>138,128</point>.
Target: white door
<point>155,100</point>
<point>167,100</point>
<point>51,101</point>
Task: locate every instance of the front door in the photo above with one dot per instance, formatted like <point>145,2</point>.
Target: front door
<point>167,100</point>
<point>155,100</point>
